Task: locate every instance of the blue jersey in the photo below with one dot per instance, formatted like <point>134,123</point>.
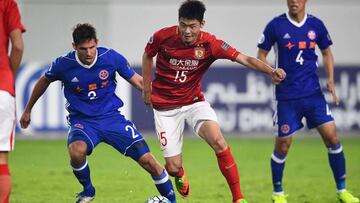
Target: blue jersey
<point>294,45</point>
<point>90,90</point>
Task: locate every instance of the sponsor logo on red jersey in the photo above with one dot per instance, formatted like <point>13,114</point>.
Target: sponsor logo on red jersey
<point>184,64</point>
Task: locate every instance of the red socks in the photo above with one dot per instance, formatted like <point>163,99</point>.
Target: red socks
<point>180,173</point>
<point>5,183</point>
<point>229,170</point>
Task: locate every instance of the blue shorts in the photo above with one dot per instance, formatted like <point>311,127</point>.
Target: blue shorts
<point>290,113</point>
<point>112,129</point>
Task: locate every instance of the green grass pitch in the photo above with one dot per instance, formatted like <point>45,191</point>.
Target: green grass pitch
<point>41,172</point>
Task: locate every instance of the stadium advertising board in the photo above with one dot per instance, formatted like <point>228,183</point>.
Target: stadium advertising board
<point>242,99</point>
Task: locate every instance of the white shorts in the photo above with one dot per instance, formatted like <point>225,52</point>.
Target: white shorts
<point>170,125</point>
<point>7,121</point>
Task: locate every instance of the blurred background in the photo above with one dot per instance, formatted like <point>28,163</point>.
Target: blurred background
<point>241,98</point>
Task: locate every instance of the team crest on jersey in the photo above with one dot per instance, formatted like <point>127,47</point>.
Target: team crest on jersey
<point>199,52</point>
<point>104,74</point>
<point>285,128</point>
<point>311,35</point>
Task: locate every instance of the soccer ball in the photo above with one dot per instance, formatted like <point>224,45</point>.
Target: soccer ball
<point>158,199</point>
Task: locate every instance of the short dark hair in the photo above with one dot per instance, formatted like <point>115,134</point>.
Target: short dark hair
<point>192,9</point>
<point>83,32</point>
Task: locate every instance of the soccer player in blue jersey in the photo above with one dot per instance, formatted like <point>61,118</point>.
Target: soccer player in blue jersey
<point>88,78</point>
<point>294,36</point>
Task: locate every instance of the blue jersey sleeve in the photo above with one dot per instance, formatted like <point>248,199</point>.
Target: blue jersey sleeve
<point>123,67</point>
<point>324,40</point>
<point>268,37</point>
<point>54,73</point>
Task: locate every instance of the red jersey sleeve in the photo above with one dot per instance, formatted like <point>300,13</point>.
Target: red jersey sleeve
<point>221,49</point>
<point>153,44</point>
<point>13,17</point>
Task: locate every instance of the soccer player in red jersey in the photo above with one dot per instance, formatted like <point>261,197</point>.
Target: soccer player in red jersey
<point>11,29</point>
<point>183,55</point>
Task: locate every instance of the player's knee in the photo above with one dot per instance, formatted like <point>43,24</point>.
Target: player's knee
<point>283,149</point>
<point>77,151</point>
<point>332,142</point>
<point>219,144</point>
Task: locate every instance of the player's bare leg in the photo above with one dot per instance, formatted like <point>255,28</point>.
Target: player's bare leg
<point>210,132</point>
<point>150,164</point>
<point>5,178</point>
<point>328,134</point>
<point>337,161</point>
<point>159,175</point>
<point>282,144</point>
<point>78,151</point>
<point>174,167</point>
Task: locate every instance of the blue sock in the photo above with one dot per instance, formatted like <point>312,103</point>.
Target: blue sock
<point>83,176</point>
<point>277,169</point>
<point>337,163</point>
<point>164,186</point>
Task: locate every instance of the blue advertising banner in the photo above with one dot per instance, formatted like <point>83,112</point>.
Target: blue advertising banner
<point>242,99</point>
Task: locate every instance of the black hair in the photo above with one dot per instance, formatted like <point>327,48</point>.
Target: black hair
<point>83,32</point>
<point>192,9</point>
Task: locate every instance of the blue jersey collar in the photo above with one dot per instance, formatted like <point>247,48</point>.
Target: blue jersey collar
<point>296,23</point>
<point>84,65</point>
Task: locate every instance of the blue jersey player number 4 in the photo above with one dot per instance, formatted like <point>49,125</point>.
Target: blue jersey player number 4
<point>294,35</point>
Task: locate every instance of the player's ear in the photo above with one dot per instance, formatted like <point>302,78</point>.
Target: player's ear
<point>74,45</point>
<point>202,23</point>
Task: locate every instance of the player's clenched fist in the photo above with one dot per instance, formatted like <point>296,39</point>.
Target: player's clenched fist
<point>278,75</point>
<point>25,120</point>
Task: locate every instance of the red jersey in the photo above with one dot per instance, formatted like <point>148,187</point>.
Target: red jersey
<point>180,67</point>
<point>9,20</point>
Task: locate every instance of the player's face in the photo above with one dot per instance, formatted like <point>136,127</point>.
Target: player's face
<point>296,7</point>
<point>86,51</point>
<point>189,30</point>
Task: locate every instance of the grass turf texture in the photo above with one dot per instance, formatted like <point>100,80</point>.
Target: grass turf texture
<point>41,172</point>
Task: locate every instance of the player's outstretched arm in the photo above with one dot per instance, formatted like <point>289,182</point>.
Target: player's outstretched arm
<point>147,63</point>
<point>40,87</point>
<point>276,74</point>
<point>262,54</point>
<point>137,81</point>
<point>328,61</point>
